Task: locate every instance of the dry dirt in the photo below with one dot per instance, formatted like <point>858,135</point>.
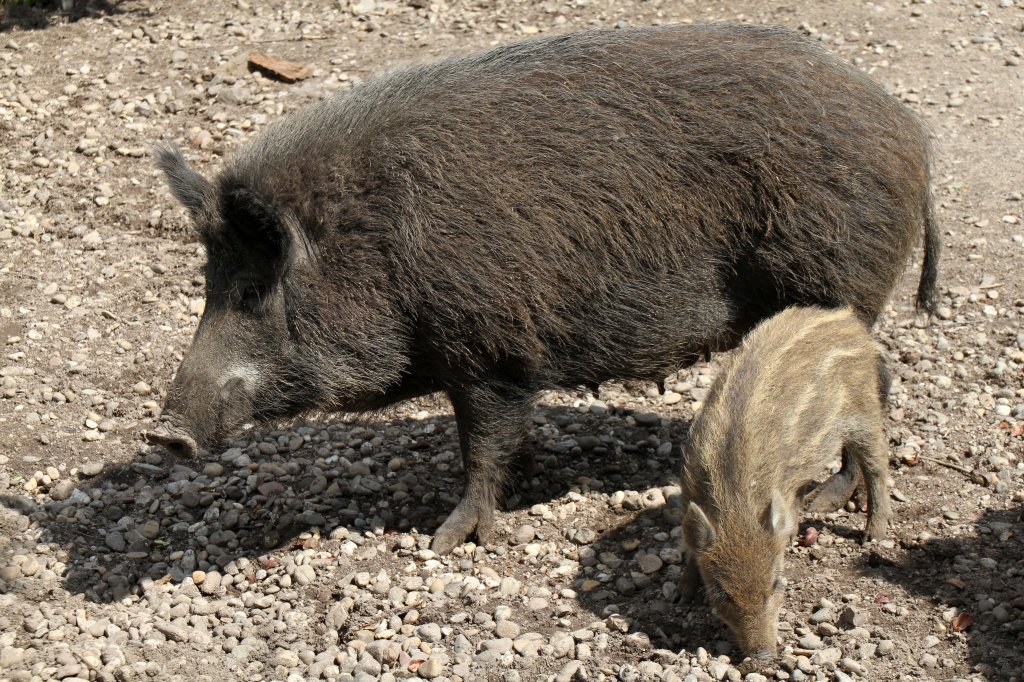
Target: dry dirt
<point>100,291</point>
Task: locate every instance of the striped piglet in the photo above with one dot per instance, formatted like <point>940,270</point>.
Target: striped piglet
<point>804,386</point>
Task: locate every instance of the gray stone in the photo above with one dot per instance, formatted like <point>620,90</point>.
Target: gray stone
<point>429,632</point>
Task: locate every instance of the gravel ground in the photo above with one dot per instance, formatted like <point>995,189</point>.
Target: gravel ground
<point>302,553</point>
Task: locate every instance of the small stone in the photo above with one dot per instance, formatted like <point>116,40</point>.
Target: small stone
<point>213,470</point>
<point>30,567</point>
<point>646,418</point>
<point>562,645</point>
<point>92,241</point>
<point>851,666</point>
<point>429,632</point>
<point>822,616</point>
<point>507,629</point>
<point>718,670</point>
<point>150,529</point>
<point>827,657</point>
<point>430,668</point>
<point>115,541</point>
<point>509,587</point>
<point>11,657</point>
<point>286,658</point>
<point>305,574</point>
<point>650,563</point>
<point>91,469</point>
<point>173,632</point>
<point>369,665</point>
<point>142,388</point>
<point>525,534</point>
<point>529,644</point>
<point>809,641</point>
<point>211,582</point>
<point>62,490</point>
<point>851,618</point>
<point>568,671</point>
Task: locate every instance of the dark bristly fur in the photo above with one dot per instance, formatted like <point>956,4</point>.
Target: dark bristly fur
<point>611,204</point>
<point>803,386</point>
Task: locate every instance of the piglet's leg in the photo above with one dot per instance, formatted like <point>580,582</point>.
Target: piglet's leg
<point>491,422</point>
<point>873,458</point>
<point>689,582</point>
<point>834,493</point>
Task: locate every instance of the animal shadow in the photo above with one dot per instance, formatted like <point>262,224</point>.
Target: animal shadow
<point>163,517</point>
<point>30,15</point>
<point>978,579</point>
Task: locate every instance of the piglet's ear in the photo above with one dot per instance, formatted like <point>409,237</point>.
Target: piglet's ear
<point>780,520</point>
<point>698,532</point>
<point>188,187</point>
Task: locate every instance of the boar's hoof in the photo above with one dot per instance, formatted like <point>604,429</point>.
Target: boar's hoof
<point>173,440</point>
<point>467,517</point>
<point>875,531</point>
<point>756,662</point>
<point>834,493</point>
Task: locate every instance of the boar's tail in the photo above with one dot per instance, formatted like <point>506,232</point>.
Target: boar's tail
<point>927,287</point>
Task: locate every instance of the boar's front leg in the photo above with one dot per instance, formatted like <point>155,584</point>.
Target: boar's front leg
<point>491,422</point>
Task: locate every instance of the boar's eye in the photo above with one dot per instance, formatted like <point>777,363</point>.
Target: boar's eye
<point>253,296</point>
<point>778,585</point>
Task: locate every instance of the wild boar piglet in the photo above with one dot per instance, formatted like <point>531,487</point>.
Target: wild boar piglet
<point>802,387</point>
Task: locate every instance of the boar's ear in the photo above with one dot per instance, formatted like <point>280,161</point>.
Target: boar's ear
<point>188,186</point>
<point>253,226</point>
<point>779,518</point>
<point>697,529</point>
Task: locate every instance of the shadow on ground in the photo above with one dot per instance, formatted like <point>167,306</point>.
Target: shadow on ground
<point>162,517</point>
<point>980,575</point>
<point>620,563</point>
<point>37,14</point>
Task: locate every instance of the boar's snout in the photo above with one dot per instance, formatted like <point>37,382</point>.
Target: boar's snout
<point>760,645</point>
<point>175,438</point>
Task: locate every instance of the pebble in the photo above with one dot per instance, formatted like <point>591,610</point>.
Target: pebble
<point>809,641</point>
<point>650,563</point>
<point>828,657</point>
<point>525,534</point>
<point>305,574</point>
<point>429,632</point>
<point>430,668</point>
<point>568,671</point>
<point>213,470</point>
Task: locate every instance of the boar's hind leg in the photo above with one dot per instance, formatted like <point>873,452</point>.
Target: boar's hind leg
<point>837,490</point>
<point>491,422</point>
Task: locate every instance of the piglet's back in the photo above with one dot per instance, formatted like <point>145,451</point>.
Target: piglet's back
<point>770,420</point>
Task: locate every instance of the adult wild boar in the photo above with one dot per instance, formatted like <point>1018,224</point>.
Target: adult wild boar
<point>611,204</point>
